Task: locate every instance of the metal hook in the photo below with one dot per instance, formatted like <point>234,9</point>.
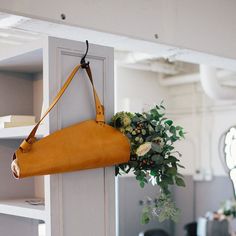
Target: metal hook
<point>83,62</point>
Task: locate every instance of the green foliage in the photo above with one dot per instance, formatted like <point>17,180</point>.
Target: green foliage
<point>179,181</point>
<point>153,156</point>
<point>162,209</point>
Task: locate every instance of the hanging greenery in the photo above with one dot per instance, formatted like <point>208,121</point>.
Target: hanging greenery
<point>153,157</point>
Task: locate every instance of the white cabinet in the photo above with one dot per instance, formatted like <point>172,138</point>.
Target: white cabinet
<point>78,203</point>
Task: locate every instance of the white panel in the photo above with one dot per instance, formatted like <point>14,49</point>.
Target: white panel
<point>77,103</point>
<point>83,203</point>
<point>85,198</point>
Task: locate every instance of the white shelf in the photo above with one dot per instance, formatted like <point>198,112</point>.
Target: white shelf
<point>19,207</point>
<point>22,132</point>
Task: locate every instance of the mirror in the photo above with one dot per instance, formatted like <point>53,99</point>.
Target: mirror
<point>230,155</point>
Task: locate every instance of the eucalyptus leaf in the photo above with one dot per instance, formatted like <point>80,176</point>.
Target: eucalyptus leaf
<point>162,119</point>
<point>180,182</point>
<point>156,148</point>
<point>171,171</point>
<point>155,157</point>
<point>150,128</point>
<point>173,130</point>
<point>153,172</point>
<point>173,138</point>
<point>154,122</point>
<point>169,122</point>
<point>159,128</point>
<point>181,166</point>
<point>181,133</point>
<point>142,184</point>
<point>169,179</point>
<point>145,218</point>
<point>172,159</point>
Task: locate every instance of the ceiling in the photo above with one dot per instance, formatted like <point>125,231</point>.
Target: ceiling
<point>10,34</point>
<point>132,53</point>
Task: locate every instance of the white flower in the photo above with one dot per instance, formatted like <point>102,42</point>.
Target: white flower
<point>143,149</point>
<point>126,121</point>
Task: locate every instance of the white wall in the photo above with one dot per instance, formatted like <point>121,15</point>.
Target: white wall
<point>137,89</point>
<point>204,120</point>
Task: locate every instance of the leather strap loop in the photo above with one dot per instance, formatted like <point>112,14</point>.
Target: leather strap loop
<point>26,144</point>
<point>99,107</point>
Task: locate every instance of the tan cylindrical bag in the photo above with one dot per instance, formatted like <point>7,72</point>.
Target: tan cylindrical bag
<point>86,145</point>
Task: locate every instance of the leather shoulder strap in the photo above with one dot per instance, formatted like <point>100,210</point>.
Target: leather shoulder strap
<point>99,107</point>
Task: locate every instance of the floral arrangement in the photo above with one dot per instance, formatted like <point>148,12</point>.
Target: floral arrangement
<point>153,157</point>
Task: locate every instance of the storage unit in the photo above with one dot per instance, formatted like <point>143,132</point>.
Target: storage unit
<point>29,79</point>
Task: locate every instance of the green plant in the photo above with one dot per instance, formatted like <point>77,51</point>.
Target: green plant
<point>153,156</point>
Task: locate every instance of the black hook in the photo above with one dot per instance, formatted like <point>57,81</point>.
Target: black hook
<point>83,62</point>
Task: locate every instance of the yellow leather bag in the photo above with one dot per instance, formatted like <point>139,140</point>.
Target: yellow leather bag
<point>86,145</point>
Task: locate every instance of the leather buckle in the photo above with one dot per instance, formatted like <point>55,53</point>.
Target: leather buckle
<point>26,145</point>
